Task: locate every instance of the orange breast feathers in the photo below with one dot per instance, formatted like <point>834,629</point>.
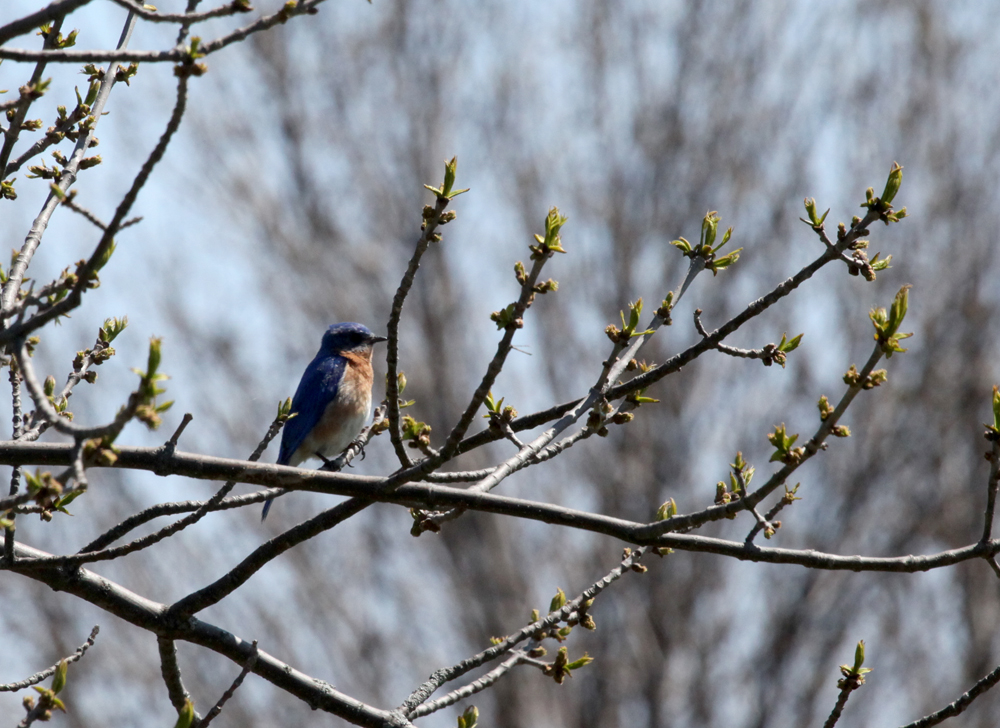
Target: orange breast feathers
<point>348,413</point>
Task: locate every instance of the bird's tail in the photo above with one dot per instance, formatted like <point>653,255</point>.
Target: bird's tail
<point>267,507</point>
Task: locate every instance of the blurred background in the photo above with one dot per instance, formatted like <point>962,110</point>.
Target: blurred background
<point>291,200</point>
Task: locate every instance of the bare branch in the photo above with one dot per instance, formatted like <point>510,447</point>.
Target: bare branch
<point>154,617</point>
<point>231,690</point>
<point>959,706</point>
<point>571,608</point>
<point>431,223</point>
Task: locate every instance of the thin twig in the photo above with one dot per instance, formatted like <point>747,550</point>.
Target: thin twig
<point>80,369</point>
<point>52,136</point>
<point>838,708</point>
<point>52,416</point>
<point>98,258</point>
<point>682,359</point>
<point>571,608</point>
<point>467,691</point>
<point>959,706</point>
<point>769,516</point>
<point>172,509</point>
<point>392,327</point>
<point>499,358</point>
<point>91,552</point>
<point>173,55</point>
<point>622,353</point>
<point>15,477</point>
<point>24,102</point>
<point>187,18</point>
<point>67,178</point>
<point>814,445</point>
<point>217,708</point>
<point>90,217</point>
<point>185,421</point>
<point>50,671</point>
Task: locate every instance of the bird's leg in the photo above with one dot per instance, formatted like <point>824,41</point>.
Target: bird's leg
<point>327,462</point>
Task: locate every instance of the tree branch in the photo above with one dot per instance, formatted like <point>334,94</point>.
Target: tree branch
<point>153,617</point>
<point>50,671</point>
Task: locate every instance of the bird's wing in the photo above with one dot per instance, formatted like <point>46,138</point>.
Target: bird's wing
<point>317,389</point>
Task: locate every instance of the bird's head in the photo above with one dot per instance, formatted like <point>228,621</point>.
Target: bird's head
<point>349,337</point>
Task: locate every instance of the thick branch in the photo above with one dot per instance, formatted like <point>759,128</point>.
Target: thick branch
<point>152,616</point>
<point>425,495</point>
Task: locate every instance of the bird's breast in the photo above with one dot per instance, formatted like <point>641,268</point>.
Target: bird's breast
<point>345,415</point>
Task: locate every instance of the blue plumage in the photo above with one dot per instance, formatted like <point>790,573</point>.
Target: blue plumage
<point>333,399</point>
<point>318,388</point>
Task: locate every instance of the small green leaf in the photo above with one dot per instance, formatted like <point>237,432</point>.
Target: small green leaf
<point>59,681</point>
<point>185,716</point>
<point>470,718</point>
<point>682,244</point>
<point>790,345</point>
<point>666,510</point>
<point>577,664</point>
<point>996,407</point>
<point>95,86</point>
<point>709,229</point>
<point>892,184</point>
<point>558,601</point>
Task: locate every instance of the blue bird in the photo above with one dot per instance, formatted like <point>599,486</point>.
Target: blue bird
<point>334,398</point>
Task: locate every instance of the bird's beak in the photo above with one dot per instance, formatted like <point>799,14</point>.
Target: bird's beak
<point>377,339</point>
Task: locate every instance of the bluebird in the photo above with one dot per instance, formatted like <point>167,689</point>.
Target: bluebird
<point>334,398</point>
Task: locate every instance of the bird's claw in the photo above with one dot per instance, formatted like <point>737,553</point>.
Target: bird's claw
<point>359,444</point>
